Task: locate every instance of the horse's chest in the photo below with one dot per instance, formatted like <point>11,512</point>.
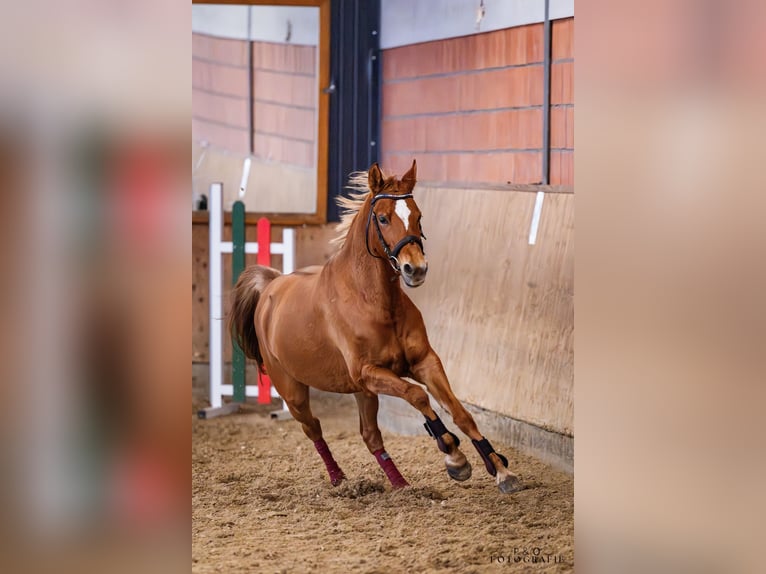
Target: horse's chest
<point>389,353</point>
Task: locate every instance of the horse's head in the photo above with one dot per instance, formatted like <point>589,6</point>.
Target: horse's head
<point>394,217</point>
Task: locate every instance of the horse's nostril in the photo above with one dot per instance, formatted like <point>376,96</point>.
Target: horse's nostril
<point>407,268</point>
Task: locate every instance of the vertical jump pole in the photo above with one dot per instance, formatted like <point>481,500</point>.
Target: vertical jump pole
<point>238,247</point>
<point>264,258</point>
<point>215,264</point>
<point>237,267</point>
<point>216,307</point>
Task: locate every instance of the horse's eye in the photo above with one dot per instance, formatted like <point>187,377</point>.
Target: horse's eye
<point>383,219</point>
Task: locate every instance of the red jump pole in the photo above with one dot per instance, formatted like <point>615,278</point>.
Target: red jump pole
<point>264,258</point>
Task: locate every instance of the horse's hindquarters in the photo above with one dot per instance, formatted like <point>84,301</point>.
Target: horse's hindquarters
<point>294,336</point>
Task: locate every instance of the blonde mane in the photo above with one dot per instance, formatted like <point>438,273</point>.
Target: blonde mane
<point>351,205</point>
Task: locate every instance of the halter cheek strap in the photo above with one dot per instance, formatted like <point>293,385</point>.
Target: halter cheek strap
<point>392,254</point>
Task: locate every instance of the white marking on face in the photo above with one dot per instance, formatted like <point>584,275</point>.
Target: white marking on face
<point>403,212</point>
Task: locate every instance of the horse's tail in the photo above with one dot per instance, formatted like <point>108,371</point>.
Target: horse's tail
<point>245,296</point>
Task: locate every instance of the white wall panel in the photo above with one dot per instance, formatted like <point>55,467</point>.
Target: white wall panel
<point>406,22</point>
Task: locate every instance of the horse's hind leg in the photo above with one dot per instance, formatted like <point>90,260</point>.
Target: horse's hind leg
<point>296,395</point>
<point>368,427</point>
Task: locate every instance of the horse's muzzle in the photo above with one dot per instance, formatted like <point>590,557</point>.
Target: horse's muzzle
<point>414,275</point>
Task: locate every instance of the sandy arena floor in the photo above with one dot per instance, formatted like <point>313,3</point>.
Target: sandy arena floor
<point>262,502</point>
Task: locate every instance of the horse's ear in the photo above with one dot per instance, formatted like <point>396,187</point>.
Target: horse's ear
<point>411,176</point>
<point>375,178</point>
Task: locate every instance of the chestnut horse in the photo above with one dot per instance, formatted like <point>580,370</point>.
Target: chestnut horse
<point>349,327</point>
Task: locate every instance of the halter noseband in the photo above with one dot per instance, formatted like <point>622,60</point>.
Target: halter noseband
<point>390,253</point>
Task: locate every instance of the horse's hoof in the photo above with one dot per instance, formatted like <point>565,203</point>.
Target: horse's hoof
<point>460,473</point>
<point>511,483</point>
<point>400,484</point>
<point>337,479</point>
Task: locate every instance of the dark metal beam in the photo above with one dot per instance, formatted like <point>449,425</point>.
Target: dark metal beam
<point>546,96</point>
<point>355,102</point>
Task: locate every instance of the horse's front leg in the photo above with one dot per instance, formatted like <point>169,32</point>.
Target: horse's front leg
<point>379,380</point>
<point>430,372</point>
<point>368,427</point>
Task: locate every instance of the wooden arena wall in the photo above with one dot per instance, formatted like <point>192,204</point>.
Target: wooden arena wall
<point>500,312</point>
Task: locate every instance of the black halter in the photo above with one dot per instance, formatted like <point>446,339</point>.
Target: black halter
<point>390,253</point>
